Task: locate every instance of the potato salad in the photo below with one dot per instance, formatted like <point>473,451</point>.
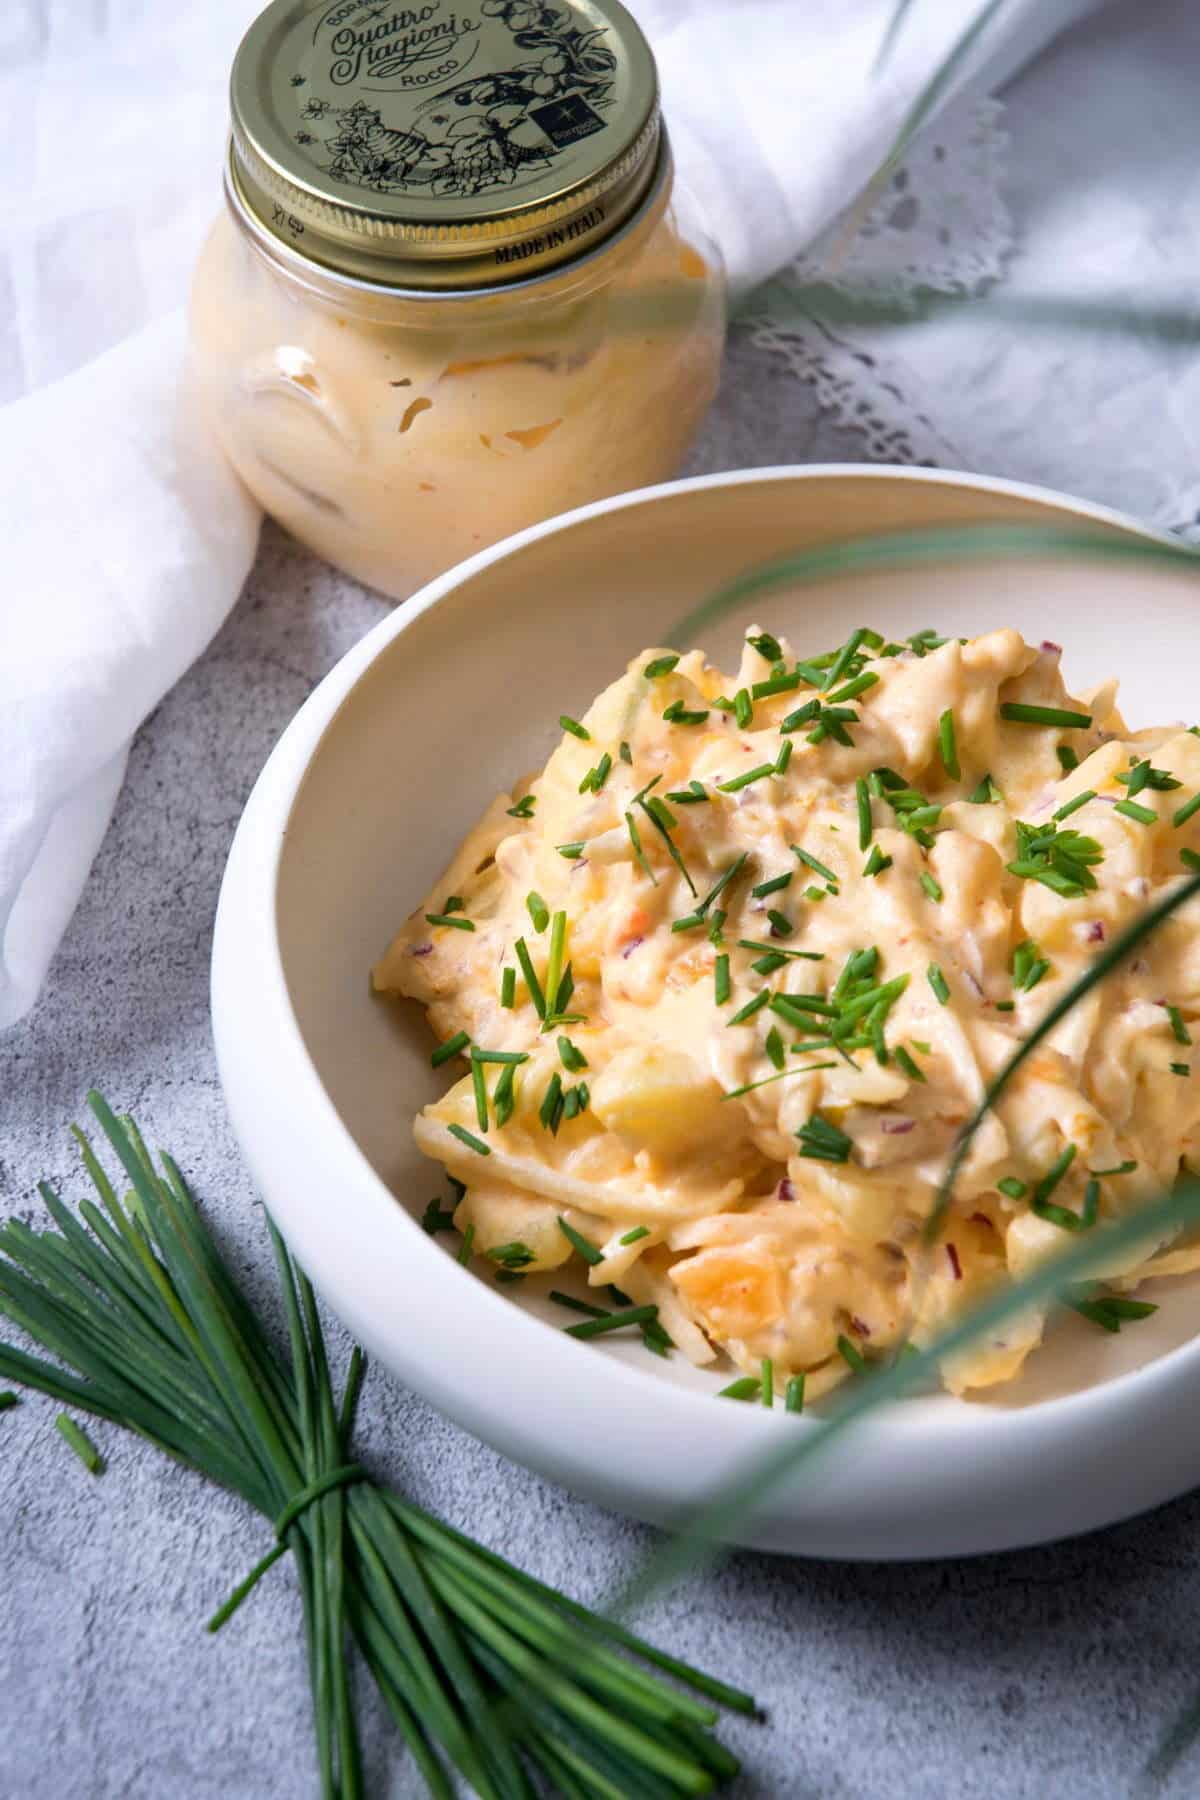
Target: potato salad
<point>722,984</point>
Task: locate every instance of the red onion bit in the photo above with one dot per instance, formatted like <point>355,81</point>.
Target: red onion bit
<point>421,950</point>
<point>629,949</point>
<point>896,1124</point>
<point>785,1190</point>
<point>955,1265</point>
<point>859,1327</point>
<point>1048,648</point>
<point>1095,932</point>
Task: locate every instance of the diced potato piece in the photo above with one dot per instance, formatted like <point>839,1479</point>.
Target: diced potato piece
<point>658,1099</point>
<point>505,1215</point>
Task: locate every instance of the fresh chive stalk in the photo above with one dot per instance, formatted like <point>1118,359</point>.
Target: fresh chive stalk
<point>497,1684</point>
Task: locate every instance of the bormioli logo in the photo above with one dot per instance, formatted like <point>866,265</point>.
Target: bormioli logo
<point>393,44</point>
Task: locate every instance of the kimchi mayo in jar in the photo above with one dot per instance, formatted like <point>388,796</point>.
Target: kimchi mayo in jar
<point>454,290</point>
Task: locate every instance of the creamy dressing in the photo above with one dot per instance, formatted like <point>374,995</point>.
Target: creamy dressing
<point>750,1244</point>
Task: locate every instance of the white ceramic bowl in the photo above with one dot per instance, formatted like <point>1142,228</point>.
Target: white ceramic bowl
<point>358,810</point>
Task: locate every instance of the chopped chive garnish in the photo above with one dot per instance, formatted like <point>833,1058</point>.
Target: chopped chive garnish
<point>850,1355</point>
<point>454,904</point>
<point>784,757</point>
<point>556,956</point>
<point>450,1048</point>
<point>662,819</point>
<point>551,1101</point>
<point>768,1382</point>
<point>784,1074</point>
<point>523,809</point>
<point>877,862</point>
<point>1145,815</point>
<point>571,1055</point>
<point>852,689</point>
<point>938,983</point>
<point>821,1140</point>
<point>577,1241</point>
<point>539,912</point>
<point>469,1139</point>
<point>744,1388</point>
<point>721,986</point>
<point>774,886</point>
<point>1180,1068</point>
<point>1125,1168</point>
<point>1068,761</point>
<point>508,988</point>
<point>662,665</point>
<point>862,795</point>
<point>1190,860</point>
<point>7,1399</point>
<point>574,727</point>
<point>1180,1030</point>
<point>774,1047</point>
<point>778,684</point>
<point>1061,860</point>
<point>504,1098</point>
<point>1014,1189</point>
<point>906,1062</point>
<point>818,868</point>
<point>454,920</point>
<point>595,778</point>
<point>625,753</point>
<point>636,1235</point>
<point>794,1395</point>
<point>783,955</point>
<point>521,952</point>
<point>803,715</point>
<point>481,1099</point>
<point>691,795</point>
<point>737,782</point>
<point>636,841</point>
<point>464,1249</point>
<point>511,1256</point>
<point>751,1007</point>
<point>743,709</point>
<point>435,1218</point>
<point>1020,713</point>
<point>689,922</point>
<point>781,925</point>
<point>633,1315</point>
<point>986,794</point>
<point>1185,812</point>
<point>80,1443</point>
<point>1144,775</point>
<point>723,882</point>
<point>579,1306</point>
<point>498,1056</point>
<point>1006,1006</point>
<point>768,964</point>
<point>947,746</point>
<point>678,714</point>
<point>931,886</point>
<point>1053,1176</point>
<point>1071,806</point>
<point>767,645</point>
<point>816,893</point>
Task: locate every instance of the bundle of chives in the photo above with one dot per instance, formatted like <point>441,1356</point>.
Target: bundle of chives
<point>152,1332</point>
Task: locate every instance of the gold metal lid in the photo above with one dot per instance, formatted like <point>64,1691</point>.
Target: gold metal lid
<point>443,144</point>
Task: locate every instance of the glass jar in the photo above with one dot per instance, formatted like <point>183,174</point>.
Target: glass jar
<point>379,377</point>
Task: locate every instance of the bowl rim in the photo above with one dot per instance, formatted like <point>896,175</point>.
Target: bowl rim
<point>270,809</point>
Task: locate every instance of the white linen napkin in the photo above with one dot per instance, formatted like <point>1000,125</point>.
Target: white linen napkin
<point>127,537</point>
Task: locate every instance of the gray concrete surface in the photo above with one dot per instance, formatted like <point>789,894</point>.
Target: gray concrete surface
<point>1050,1673</point>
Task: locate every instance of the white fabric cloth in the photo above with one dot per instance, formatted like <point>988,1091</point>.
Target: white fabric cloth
<point>127,541</point>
